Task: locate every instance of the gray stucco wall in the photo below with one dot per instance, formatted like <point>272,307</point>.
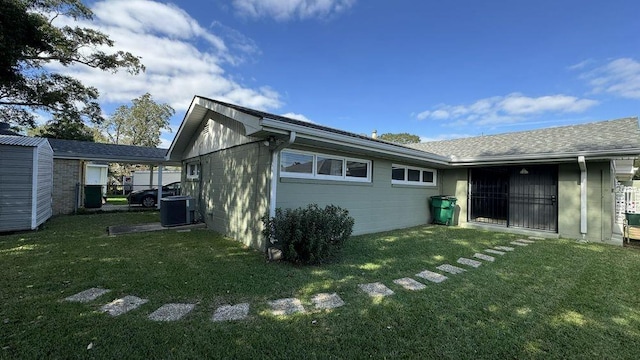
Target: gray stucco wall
<point>232,191</point>
<point>376,206</point>
<point>600,200</point>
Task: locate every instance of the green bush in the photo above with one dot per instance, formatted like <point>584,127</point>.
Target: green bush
<point>308,235</point>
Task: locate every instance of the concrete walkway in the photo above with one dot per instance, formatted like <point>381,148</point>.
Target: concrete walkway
<point>291,306</point>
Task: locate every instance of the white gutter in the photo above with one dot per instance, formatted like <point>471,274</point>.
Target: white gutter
<point>366,144</point>
<point>274,172</point>
<point>542,158</point>
<point>583,196</point>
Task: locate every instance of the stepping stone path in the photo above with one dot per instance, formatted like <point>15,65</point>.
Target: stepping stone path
<point>472,263</point>
<point>493,251</point>
<point>123,305</point>
<point>410,284</point>
<point>286,306</point>
<point>526,241</point>
<point>484,257</point>
<point>231,312</point>
<point>504,248</point>
<point>327,301</point>
<point>535,238</point>
<point>450,269</point>
<point>432,276</point>
<point>171,312</point>
<point>376,289</point>
<point>87,295</point>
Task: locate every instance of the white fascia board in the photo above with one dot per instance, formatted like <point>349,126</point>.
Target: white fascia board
<point>276,126</point>
<point>544,158</point>
<point>187,117</point>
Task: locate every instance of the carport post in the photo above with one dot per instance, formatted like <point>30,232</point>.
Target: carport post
<point>159,185</point>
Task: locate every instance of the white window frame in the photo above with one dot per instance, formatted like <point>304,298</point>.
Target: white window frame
<point>195,174</point>
<point>314,168</point>
<point>420,182</point>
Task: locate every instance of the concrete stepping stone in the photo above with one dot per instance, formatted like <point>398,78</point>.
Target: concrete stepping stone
<point>504,248</point>
<point>123,305</point>
<point>450,269</point>
<point>525,241</point>
<point>469,262</point>
<point>484,257</point>
<point>410,284</point>
<point>432,276</point>
<point>493,251</point>
<point>286,306</point>
<point>536,238</point>
<point>231,312</point>
<point>327,301</point>
<point>519,243</point>
<point>87,295</point>
<point>376,289</point>
<point>171,312</point>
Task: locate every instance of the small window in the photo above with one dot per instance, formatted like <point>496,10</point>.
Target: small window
<point>408,175</point>
<point>193,171</point>
<point>328,166</point>
<point>302,164</point>
<point>296,163</point>
<point>357,169</point>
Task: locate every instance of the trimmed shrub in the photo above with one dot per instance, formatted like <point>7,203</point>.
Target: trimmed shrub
<point>309,235</point>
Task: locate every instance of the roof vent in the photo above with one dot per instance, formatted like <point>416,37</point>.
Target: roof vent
<point>374,134</point>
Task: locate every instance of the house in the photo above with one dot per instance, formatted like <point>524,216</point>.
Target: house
<point>79,163</point>
<point>26,181</point>
<point>240,164</point>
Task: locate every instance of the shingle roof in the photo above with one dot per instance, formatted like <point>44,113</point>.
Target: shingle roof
<point>601,136</point>
<point>21,141</point>
<point>75,149</point>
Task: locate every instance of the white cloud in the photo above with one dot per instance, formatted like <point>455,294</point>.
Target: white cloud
<point>283,10</point>
<point>508,109</point>
<point>620,77</point>
<point>181,57</point>
<point>295,116</point>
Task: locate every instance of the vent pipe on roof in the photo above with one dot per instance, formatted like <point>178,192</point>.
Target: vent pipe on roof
<point>583,196</point>
<point>374,134</point>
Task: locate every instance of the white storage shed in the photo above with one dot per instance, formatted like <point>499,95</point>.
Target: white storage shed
<point>26,182</point>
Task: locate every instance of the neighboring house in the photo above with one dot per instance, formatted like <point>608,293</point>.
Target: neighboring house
<point>26,181</point>
<point>241,164</point>
<point>78,163</point>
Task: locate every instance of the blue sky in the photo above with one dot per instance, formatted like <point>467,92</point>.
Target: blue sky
<point>437,69</point>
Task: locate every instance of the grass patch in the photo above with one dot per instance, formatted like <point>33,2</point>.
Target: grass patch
<point>556,299</point>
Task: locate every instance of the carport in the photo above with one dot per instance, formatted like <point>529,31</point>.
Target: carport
<point>73,158</point>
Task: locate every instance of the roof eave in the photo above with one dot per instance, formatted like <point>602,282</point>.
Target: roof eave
<point>544,157</point>
<point>280,127</point>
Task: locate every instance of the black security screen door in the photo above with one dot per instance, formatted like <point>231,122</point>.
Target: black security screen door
<point>523,196</point>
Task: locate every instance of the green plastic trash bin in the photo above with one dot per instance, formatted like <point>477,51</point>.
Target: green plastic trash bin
<point>442,209</point>
<point>93,196</point>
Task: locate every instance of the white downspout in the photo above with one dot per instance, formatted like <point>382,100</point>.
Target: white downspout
<point>159,185</point>
<point>583,196</point>
<point>274,172</point>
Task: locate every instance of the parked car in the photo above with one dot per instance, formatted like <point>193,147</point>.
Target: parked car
<point>149,197</point>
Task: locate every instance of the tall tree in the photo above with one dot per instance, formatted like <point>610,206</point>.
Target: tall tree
<point>63,129</point>
<point>400,138</point>
<point>139,124</point>
<point>29,40</point>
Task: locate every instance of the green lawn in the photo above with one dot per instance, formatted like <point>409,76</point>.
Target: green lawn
<point>553,299</point>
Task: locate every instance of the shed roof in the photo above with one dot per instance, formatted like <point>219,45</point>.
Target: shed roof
<point>86,150</point>
<point>21,141</point>
<point>620,135</point>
